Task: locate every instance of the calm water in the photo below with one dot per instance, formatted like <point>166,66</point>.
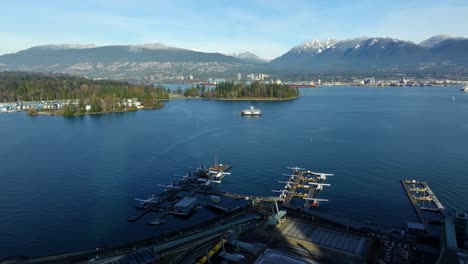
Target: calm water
<point>69,183</point>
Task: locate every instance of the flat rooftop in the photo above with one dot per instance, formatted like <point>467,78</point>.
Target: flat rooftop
<point>186,201</point>
<point>343,242</point>
<point>274,257</point>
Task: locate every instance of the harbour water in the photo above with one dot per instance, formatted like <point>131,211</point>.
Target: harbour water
<point>69,183</point>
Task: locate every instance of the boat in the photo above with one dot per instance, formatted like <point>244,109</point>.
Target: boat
<point>251,112</point>
<point>465,88</point>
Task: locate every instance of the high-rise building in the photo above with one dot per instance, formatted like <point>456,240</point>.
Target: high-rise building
<point>239,76</point>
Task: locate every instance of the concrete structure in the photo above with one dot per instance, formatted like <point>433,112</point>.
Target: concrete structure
<point>185,206</point>
<point>274,256</point>
<point>461,229</point>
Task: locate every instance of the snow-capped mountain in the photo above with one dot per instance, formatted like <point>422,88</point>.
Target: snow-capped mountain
<point>154,46</point>
<point>430,42</point>
<point>314,46</point>
<point>248,57</point>
<point>374,54</point>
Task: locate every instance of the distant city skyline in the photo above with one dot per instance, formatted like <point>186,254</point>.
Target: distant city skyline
<point>267,28</point>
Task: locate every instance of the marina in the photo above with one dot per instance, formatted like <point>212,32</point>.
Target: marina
<point>195,190</point>
<point>264,229</point>
<point>110,178</point>
<point>182,198</point>
<point>434,221</point>
<point>303,184</point>
<point>426,205</point>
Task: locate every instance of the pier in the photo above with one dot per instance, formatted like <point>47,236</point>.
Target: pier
<point>422,199</point>
<point>182,197</point>
<point>303,180</point>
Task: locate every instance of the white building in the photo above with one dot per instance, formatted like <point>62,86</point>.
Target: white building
<point>239,76</point>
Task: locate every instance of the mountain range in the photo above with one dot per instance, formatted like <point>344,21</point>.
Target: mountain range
<point>367,54</point>
<point>248,57</point>
<point>161,62</point>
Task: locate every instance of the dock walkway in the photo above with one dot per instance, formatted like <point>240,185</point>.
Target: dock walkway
<point>430,197</point>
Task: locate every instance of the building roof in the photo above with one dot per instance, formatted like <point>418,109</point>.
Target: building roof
<point>187,201</point>
<point>272,256</point>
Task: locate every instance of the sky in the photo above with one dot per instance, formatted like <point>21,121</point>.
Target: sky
<point>268,28</point>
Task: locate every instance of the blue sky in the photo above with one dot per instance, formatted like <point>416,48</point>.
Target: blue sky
<point>268,28</point>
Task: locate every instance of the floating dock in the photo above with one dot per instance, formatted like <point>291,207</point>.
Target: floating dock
<point>299,181</point>
<point>179,198</point>
<point>422,199</point>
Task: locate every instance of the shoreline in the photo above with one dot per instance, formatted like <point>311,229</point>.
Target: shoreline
<point>60,112</point>
<point>181,97</point>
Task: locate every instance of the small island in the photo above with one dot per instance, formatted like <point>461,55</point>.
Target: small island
<point>241,91</point>
<point>60,94</point>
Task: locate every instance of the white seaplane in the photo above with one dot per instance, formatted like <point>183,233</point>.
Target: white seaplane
<point>295,169</point>
<point>145,203</point>
<point>282,193</point>
<point>217,176</point>
<point>316,201</point>
<point>320,176</point>
<point>319,186</point>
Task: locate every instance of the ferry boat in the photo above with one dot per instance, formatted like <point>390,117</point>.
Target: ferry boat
<point>465,88</point>
<point>251,112</point>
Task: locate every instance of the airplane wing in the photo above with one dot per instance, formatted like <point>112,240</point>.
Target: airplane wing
<point>320,174</point>
<point>317,200</point>
<point>145,201</point>
<point>319,184</point>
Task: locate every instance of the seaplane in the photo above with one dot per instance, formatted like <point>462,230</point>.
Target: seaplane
<point>295,169</point>
<point>316,201</point>
<point>145,203</point>
<point>321,176</point>
<point>169,187</point>
<point>217,176</point>
<point>287,184</point>
<point>283,193</point>
<point>217,172</point>
<point>319,186</point>
<point>292,177</point>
